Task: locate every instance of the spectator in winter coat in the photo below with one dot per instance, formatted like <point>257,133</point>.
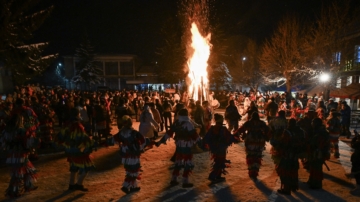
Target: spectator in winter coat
<point>345,119</point>
<point>271,109</point>
<point>147,123</point>
<point>232,116</point>
<point>331,105</point>
<point>167,114</point>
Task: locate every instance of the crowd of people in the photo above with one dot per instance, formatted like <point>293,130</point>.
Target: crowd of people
<point>297,127</point>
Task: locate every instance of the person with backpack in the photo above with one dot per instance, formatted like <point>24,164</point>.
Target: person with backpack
<point>232,116</point>
<point>218,139</point>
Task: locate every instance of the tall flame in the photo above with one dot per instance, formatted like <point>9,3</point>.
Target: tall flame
<point>197,63</point>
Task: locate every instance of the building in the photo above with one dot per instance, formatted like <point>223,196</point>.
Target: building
<point>119,72</point>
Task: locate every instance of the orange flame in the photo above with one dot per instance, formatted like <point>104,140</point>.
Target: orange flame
<point>197,63</point>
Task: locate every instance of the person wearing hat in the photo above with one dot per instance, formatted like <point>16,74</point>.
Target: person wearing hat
<point>78,147</point>
<point>185,138</point>
<point>255,133</point>
<point>23,173</point>
<point>132,144</point>
<point>333,126</point>
<point>31,124</point>
<point>218,139</point>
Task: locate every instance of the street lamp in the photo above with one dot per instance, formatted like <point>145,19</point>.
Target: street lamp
<point>242,63</point>
<point>325,78</point>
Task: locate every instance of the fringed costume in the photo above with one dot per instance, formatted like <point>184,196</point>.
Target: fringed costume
<point>319,152</point>
<point>185,138</point>
<point>218,139</point>
<point>255,139</point>
<point>291,144</point>
<point>355,162</point>
<point>31,125</point>
<point>23,173</point>
<point>333,126</point>
<point>132,145</point>
<point>276,126</point>
<point>78,148</point>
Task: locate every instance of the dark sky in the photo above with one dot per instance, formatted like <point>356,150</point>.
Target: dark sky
<point>132,26</point>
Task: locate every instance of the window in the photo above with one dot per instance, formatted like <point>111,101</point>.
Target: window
<point>338,83</point>
<point>111,68</point>
<point>357,54</point>
<point>348,80</point>
<point>126,68</point>
<point>112,83</point>
<point>337,58</point>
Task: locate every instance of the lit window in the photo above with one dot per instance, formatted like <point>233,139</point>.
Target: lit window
<point>337,57</point>
<point>357,54</point>
<point>348,80</point>
<point>338,83</point>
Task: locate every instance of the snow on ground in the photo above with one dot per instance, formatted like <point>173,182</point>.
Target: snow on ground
<point>105,182</point>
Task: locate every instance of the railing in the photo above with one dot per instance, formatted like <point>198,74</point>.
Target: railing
<point>355,119</point>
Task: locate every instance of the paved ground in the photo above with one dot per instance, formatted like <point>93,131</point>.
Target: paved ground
<point>105,182</point>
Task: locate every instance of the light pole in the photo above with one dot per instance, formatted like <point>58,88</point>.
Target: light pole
<point>242,63</point>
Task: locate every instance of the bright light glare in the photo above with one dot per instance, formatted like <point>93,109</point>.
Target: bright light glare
<point>244,58</point>
<point>324,77</point>
<point>59,64</point>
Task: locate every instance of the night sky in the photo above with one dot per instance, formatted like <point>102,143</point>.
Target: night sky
<point>132,26</point>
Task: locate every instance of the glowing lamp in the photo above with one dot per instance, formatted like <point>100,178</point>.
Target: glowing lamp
<point>324,77</point>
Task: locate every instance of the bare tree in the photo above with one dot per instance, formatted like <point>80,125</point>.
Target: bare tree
<point>328,42</point>
<point>251,75</point>
<point>283,57</point>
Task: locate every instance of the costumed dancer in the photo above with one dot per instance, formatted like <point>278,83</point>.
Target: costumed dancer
<point>277,126</point>
<point>185,138</point>
<point>333,126</point>
<point>319,152</point>
<point>31,125</point>
<point>132,144</point>
<point>218,139</point>
<point>208,115</point>
<point>291,144</point>
<point>78,147</point>
<point>255,138</point>
<point>355,163</point>
<point>23,173</point>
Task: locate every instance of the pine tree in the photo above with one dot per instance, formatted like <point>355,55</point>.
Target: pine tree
<point>86,70</point>
<point>23,59</point>
<point>221,76</point>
